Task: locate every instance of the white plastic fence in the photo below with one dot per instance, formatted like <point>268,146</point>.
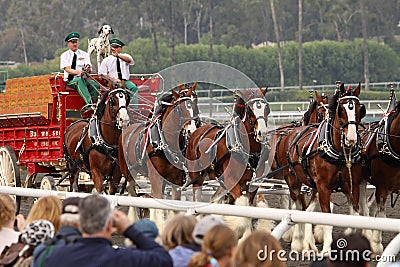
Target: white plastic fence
<point>287,217</point>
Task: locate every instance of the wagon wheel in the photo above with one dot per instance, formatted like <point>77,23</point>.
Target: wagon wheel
<point>9,171</point>
<point>47,183</point>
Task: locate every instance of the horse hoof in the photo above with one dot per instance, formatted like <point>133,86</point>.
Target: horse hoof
<point>377,248</point>
<point>319,234</point>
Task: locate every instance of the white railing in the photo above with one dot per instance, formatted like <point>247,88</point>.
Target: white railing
<point>287,217</point>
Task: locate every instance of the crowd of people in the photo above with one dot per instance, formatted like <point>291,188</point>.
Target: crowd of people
<point>77,232</point>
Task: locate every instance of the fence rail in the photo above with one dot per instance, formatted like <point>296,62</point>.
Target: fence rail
<point>287,217</point>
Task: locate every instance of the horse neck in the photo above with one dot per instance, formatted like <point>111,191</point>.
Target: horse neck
<point>171,129</point>
<point>336,133</point>
<point>108,127</point>
<point>254,145</point>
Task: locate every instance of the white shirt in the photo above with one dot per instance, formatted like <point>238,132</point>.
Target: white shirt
<point>7,237</point>
<point>81,60</point>
<point>109,67</point>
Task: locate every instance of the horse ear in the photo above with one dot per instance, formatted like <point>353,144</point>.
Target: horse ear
<point>175,94</point>
<point>264,91</point>
<point>318,97</point>
<point>194,86</point>
<point>111,30</point>
<point>357,90</point>
<point>342,90</point>
<point>101,30</point>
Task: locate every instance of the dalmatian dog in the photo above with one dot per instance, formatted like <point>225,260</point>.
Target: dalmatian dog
<point>101,44</point>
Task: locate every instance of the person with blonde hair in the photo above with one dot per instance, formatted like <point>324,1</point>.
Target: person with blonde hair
<point>178,240</point>
<point>218,248</point>
<point>8,235</point>
<point>46,208</point>
<point>260,249</point>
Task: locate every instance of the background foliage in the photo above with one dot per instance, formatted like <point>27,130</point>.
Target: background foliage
<point>162,33</point>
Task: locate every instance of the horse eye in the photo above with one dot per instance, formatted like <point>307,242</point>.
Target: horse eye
<point>258,105</point>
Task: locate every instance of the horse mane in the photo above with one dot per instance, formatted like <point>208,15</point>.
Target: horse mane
<point>101,106</point>
<point>168,97</point>
<point>332,104</point>
<point>307,114</point>
<point>397,108</point>
<point>238,106</point>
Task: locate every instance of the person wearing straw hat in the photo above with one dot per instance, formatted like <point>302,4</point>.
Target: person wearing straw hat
<point>75,62</point>
<point>115,67</point>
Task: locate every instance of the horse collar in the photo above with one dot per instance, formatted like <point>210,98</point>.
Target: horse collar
<point>327,150</point>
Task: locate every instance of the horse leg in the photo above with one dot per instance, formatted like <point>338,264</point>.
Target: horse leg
<point>298,234</point>
<point>284,201</point>
<point>115,181</point>
<point>364,209</point>
<point>156,181</point>
<point>324,196</point>
<point>197,193</point>
<point>263,224</point>
<point>133,212</point>
<point>309,241</point>
<point>97,178</point>
<point>376,241</point>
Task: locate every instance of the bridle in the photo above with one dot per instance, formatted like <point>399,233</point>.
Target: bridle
<point>177,109</point>
<point>352,105</point>
<point>110,98</point>
<point>248,110</point>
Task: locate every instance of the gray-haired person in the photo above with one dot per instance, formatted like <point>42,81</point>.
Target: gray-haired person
<point>97,221</point>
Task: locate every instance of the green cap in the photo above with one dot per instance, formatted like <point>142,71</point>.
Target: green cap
<point>72,36</point>
<point>116,41</point>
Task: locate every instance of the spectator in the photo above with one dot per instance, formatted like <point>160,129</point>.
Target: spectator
<point>147,227</point>
<point>219,244</point>
<point>7,218</point>
<point>97,221</point>
<point>34,234</point>
<point>202,226</point>
<point>178,239</point>
<point>69,231</point>
<point>260,249</point>
<point>351,250</point>
<point>46,208</point>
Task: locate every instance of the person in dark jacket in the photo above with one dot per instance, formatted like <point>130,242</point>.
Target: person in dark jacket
<point>97,222</point>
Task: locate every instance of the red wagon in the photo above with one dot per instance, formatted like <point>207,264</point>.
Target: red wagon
<point>34,112</point>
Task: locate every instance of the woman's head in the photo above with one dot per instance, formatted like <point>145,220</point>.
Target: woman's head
<point>46,208</point>
<point>178,231</point>
<point>251,252</point>
<point>7,211</point>
<point>219,243</point>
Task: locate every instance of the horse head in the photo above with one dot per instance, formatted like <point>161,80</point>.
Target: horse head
<point>348,111</point>
<point>117,100</point>
<point>186,90</point>
<point>316,111</point>
<point>250,105</point>
<point>177,114</point>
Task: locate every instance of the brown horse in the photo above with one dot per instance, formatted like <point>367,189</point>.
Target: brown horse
<point>314,114</point>
<point>327,157</point>
<point>92,145</point>
<point>382,168</point>
<point>231,154</point>
<point>155,148</point>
